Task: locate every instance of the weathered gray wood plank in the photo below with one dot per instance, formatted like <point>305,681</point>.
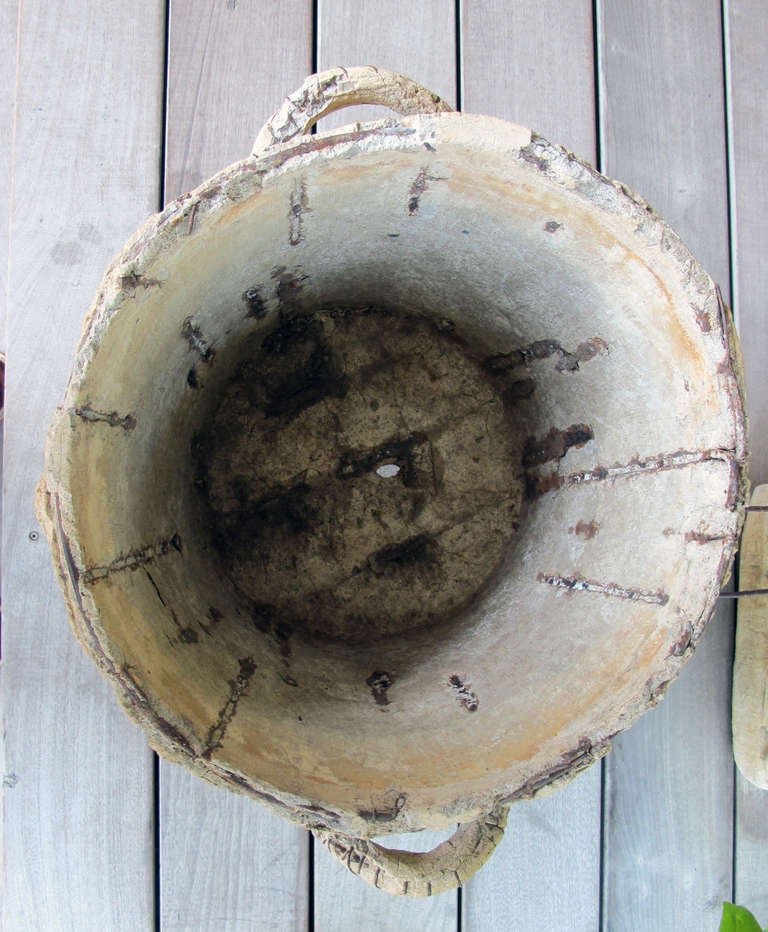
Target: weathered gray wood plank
<point>669,802</point>
<point>78,775</point>
<point>748,715</point>
<point>344,902</point>
<point>418,40</point>
<point>230,66</point>
<point>662,114</point>
<point>225,861</point>
<point>415,39</point>
<point>751,887</point>
<point>669,780</point>
<point>748,66</point>
<point>533,64</point>
<point>546,872</point>
<point>747,27</point>
<point>9,12</point>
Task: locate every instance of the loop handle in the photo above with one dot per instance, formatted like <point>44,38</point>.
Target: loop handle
<point>446,867</point>
<point>336,88</point>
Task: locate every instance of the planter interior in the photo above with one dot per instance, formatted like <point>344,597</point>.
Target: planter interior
<point>394,478</point>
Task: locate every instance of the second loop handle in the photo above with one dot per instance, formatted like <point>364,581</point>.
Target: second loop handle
<point>336,88</point>
<point>446,867</point>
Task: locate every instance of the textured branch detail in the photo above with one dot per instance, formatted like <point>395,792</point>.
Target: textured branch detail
<point>406,873</point>
<point>197,342</point>
<point>570,763</point>
<point>567,360</point>
<point>87,413</point>
<point>133,559</point>
<point>237,688</point>
<point>537,485</point>
<point>579,584</point>
<point>299,205</point>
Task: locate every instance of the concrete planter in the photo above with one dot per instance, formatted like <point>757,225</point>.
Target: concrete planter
<point>400,469</point>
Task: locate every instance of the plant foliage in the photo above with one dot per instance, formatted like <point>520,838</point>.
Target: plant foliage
<point>738,919</point>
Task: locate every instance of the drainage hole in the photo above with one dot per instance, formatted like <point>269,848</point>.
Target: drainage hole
<point>388,470</point>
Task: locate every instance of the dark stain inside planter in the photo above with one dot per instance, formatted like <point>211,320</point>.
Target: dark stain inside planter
<point>363,472</point>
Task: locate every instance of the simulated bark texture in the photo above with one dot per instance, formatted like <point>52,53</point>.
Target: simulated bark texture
<point>399,470</point>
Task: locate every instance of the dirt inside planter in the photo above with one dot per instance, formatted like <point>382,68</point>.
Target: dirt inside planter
<point>363,473</point>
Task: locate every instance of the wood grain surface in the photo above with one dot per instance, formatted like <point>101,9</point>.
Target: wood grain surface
<point>230,65</point>
<point>9,14</point>
<point>532,64</point>
<point>747,68</point>
<point>750,669</point>
<point>546,872</point>
<point>78,776</point>
<point>747,62</point>
<point>418,40</point>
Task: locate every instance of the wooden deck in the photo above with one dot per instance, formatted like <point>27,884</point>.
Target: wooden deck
<point>108,109</point>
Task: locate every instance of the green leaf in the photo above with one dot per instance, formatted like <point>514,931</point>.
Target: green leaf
<point>738,919</point>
